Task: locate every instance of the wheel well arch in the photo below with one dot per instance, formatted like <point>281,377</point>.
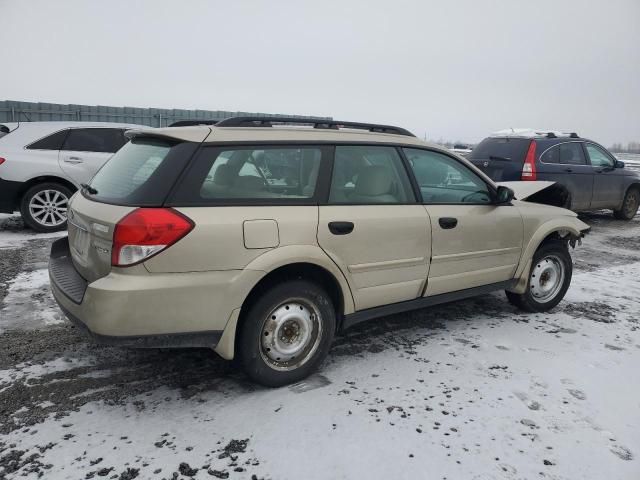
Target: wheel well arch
<point>42,179</point>
<point>635,185</point>
<point>300,270</point>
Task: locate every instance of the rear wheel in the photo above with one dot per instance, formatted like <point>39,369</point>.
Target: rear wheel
<point>44,207</point>
<point>629,205</point>
<point>286,333</point>
<point>549,279</point>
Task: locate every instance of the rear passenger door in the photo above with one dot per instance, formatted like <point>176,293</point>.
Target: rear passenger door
<point>373,228</point>
<point>566,164</point>
<point>608,182</point>
<point>85,150</point>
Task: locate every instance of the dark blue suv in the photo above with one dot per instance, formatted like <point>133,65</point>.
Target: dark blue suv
<point>587,176</point>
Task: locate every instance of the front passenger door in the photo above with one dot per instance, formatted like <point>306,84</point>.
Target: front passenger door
<point>473,241</point>
<point>608,183</point>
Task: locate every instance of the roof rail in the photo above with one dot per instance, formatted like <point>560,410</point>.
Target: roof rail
<point>190,123</point>
<point>317,123</point>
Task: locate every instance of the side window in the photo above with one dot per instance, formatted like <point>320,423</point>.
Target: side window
<point>443,179</point>
<point>571,154</point>
<point>598,157</point>
<point>252,173</point>
<point>104,140</point>
<point>51,142</point>
<point>551,156</point>
<point>369,175</point>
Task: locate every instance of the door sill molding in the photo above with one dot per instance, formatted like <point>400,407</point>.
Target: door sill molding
<point>370,313</point>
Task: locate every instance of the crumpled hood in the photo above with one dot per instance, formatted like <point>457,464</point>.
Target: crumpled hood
<point>524,189</point>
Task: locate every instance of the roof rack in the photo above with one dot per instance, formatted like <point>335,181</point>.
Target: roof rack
<point>190,123</point>
<point>317,123</point>
<point>533,133</point>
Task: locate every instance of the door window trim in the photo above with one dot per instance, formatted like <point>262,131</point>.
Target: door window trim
<point>584,153</point>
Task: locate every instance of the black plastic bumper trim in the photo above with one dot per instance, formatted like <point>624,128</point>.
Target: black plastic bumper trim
<point>63,274</point>
<point>205,339</point>
<point>9,195</point>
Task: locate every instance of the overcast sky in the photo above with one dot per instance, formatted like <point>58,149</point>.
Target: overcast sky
<point>454,70</point>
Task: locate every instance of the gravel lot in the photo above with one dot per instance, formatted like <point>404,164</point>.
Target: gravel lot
<point>474,389</point>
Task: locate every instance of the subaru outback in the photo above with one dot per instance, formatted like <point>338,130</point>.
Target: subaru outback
<point>264,237</point>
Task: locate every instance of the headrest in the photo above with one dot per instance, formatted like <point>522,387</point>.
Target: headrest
<point>374,180</point>
<point>224,175</point>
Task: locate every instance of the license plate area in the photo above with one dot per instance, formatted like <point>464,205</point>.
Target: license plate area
<point>80,240</point>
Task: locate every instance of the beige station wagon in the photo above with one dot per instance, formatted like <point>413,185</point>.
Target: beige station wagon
<point>263,237</point>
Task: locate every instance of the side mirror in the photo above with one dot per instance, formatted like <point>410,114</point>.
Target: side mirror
<point>504,195</point>
<point>618,164</point>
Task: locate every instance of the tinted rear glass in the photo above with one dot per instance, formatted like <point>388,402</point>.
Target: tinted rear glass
<point>50,142</point>
<point>252,175</point>
<point>141,173</point>
<point>513,149</point>
<point>105,140</point>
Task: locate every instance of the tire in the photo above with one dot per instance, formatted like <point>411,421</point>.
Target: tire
<point>44,207</point>
<point>286,333</point>
<point>551,260</point>
<point>629,205</point>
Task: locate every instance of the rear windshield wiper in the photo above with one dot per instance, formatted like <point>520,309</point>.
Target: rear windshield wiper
<point>88,188</point>
<point>497,157</point>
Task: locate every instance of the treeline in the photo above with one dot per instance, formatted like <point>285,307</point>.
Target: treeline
<point>632,147</point>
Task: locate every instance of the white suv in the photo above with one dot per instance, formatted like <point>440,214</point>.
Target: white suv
<point>43,163</point>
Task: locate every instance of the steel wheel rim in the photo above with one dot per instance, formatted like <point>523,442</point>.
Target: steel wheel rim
<point>290,334</point>
<point>631,204</point>
<point>49,208</point>
<point>547,278</point>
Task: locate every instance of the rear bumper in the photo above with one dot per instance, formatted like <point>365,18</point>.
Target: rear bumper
<point>152,310</point>
<point>9,195</point>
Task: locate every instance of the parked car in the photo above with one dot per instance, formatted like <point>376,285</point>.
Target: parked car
<point>43,163</point>
<point>587,175</point>
<point>183,240</point>
<point>461,149</point>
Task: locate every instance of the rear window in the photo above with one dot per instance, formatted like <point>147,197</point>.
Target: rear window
<point>141,173</point>
<point>258,174</point>
<point>513,149</point>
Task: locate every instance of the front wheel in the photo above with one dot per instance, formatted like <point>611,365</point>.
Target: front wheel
<point>44,207</point>
<point>286,333</point>
<point>629,205</point>
<point>549,279</point>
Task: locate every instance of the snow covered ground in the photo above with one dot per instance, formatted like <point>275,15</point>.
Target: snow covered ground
<point>471,390</point>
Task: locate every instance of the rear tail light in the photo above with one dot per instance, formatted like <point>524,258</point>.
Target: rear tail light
<point>145,232</point>
<point>2,160</point>
<point>529,167</point>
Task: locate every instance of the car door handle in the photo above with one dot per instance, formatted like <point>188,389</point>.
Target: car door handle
<point>341,228</point>
<point>73,160</point>
<point>568,170</point>
<point>448,222</point>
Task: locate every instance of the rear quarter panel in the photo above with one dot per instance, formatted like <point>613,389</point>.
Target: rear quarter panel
<point>218,240</point>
